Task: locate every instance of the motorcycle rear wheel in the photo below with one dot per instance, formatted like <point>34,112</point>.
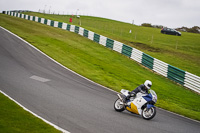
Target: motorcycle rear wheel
<point>118,106</point>
<point>148,114</point>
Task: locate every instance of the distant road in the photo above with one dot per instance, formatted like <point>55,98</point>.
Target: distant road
<point>70,101</point>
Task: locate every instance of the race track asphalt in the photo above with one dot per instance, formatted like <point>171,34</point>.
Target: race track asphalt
<point>70,101</point>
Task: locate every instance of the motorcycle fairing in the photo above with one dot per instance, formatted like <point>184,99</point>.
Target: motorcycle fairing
<point>149,106</point>
<point>136,105</point>
<point>133,109</point>
<point>148,97</point>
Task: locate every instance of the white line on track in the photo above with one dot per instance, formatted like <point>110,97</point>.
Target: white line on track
<point>39,78</point>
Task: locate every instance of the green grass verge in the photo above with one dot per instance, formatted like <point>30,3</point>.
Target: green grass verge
<point>180,51</point>
<point>14,119</point>
<point>102,65</point>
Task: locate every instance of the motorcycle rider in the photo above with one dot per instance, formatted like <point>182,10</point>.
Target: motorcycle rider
<point>143,88</point>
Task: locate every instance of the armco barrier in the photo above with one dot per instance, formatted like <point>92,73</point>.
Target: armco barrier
<point>72,28</point>
<point>109,43</point>
<point>85,33</point>
<point>117,46</point>
<point>81,31</point>
<point>126,50</point>
<point>76,29</point>
<point>68,27</point>
<point>137,55</point>
<point>147,61</point>
<point>192,81</point>
<point>103,40</point>
<point>60,24</point>
<point>64,26</point>
<point>96,38</point>
<point>91,35</point>
<point>184,78</point>
<point>160,67</point>
<point>176,74</point>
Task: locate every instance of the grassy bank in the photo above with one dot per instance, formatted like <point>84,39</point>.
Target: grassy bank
<point>102,65</point>
<point>179,51</point>
<point>13,119</point>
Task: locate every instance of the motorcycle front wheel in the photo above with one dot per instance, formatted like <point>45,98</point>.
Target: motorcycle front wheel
<point>118,105</point>
<point>148,114</point>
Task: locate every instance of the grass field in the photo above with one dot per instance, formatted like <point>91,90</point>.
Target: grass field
<point>101,64</point>
<point>13,119</point>
<point>179,51</point>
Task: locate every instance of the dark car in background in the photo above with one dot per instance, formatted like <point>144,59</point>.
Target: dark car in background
<point>170,31</point>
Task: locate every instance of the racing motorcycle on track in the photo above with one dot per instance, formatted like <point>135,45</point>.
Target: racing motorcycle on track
<point>141,104</point>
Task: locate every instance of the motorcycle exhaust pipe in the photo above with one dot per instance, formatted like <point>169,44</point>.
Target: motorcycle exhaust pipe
<point>120,97</point>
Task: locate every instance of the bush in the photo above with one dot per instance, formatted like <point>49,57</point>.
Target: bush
<point>146,25</point>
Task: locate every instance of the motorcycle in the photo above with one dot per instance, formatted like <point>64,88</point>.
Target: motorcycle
<point>142,104</point>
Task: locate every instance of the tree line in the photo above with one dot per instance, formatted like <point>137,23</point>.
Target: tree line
<point>194,29</point>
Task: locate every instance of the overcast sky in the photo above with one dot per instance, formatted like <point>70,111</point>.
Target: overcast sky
<point>170,13</point>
